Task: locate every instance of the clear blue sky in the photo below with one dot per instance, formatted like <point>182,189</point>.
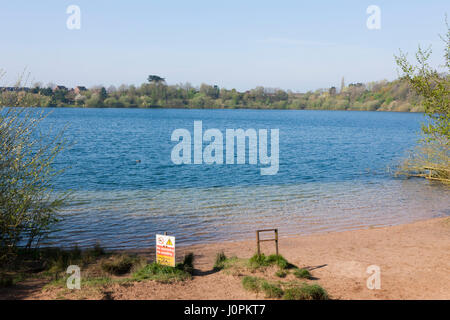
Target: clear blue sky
<point>295,45</point>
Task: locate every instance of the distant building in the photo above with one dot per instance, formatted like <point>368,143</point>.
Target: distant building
<point>79,89</point>
<point>59,88</point>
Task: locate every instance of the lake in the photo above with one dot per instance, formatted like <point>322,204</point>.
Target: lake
<point>335,173</point>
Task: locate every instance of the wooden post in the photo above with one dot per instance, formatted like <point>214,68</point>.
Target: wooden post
<point>257,242</point>
<point>276,240</point>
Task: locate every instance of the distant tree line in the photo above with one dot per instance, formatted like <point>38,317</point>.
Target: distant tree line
<point>156,93</point>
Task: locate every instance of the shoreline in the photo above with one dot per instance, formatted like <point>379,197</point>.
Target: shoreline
<point>414,262</point>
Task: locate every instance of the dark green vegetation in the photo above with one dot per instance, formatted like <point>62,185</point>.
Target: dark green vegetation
<point>383,96</point>
<point>272,287</point>
<point>431,159</point>
<point>48,263</point>
<point>119,265</point>
<point>99,268</point>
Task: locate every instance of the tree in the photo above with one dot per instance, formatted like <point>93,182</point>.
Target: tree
<point>433,153</point>
<point>103,94</point>
<point>155,79</point>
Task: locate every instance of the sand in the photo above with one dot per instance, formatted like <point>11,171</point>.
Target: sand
<point>414,261</point>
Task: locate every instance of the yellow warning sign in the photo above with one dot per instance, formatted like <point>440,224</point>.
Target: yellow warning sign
<point>165,250</point>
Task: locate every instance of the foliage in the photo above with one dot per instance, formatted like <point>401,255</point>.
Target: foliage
<point>381,96</point>
<point>434,87</point>
<point>431,157</point>
<point>28,205</point>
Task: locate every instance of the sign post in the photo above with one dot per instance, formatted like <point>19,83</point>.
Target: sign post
<point>165,250</point>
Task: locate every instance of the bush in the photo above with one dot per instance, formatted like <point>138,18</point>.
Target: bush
<point>28,205</point>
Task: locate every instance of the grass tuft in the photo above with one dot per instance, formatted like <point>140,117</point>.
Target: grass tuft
<point>251,283</point>
<point>281,274</point>
<point>166,274</point>
<point>306,292</point>
<point>302,274</point>
<point>221,258</point>
<point>119,265</point>
<point>271,290</point>
<point>260,260</point>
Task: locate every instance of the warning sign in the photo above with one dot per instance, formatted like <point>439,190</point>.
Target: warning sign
<point>165,250</point>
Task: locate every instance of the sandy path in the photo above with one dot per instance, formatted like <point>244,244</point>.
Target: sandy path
<point>414,260</point>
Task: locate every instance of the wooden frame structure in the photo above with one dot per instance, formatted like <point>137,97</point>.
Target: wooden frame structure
<point>258,240</point>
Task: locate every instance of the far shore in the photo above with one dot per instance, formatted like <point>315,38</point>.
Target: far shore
<point>414,261</point>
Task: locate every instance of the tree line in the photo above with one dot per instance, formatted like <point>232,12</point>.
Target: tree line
<point>383,95</point>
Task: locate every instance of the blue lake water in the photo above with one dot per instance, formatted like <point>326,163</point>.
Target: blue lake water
<point>334,174</point>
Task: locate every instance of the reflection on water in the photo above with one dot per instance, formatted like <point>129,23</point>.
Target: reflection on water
<point>129,219</point>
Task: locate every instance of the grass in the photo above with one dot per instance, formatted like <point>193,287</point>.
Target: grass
<point>221,259</point>
<point>251,283</point>
<point>281,274</point>
<point>271,290</point>
<point>306,292</point>
<point>255,284</point>
<point>261,260</point>
<point>302,273</point>
<point>119,265</point>
<point>166,274</point>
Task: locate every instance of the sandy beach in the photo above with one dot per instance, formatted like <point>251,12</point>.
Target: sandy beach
<point>414,261</point>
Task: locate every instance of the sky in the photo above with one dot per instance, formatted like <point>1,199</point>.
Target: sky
<point>293,45</point>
